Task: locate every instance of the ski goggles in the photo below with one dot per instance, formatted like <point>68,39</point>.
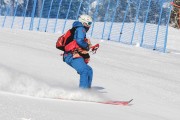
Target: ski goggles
<point>88,23</point>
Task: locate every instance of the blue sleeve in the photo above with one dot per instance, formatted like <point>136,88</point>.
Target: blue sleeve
<point>80,34</point>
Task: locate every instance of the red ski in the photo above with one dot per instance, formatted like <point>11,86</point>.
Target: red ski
<point>121,103</point>
<point>124,103</point>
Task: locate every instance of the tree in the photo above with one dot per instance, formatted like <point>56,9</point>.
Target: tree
<point>174,21</point>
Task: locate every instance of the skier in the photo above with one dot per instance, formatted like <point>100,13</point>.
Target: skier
<point>77,58</point>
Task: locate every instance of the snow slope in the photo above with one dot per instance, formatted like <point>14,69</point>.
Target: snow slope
<point>32,74</point>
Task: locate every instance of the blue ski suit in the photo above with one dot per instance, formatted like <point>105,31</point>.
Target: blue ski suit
<point>84,70</point>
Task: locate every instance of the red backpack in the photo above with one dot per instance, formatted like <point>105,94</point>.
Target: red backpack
<point>66,42</point>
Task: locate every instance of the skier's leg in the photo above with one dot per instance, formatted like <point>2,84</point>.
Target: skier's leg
<point>68,58</point>
<point>81,67</point>
<point>84,83</point>
<point>90,76</point>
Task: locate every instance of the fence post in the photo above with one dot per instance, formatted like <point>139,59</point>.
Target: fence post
<point>60,2</point>
<point>32,15</point>
<point>144,27</point>
<point>48,15</point>
<point>7,12</point>
<point>40,15</point>
<point>14,14</point>
<point>157,32</point>
<point>165,41</point>
<point>79,9</point>
<point>105,19</point>
<point>112,20</point>
<point>66,17</point>
<point>135,22</point>
<point>127,7</point>
<point>88,7</point>
<point>24,14</point>
<point>96,12</point>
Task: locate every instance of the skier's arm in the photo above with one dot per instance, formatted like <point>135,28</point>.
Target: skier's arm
<point>80,35</point>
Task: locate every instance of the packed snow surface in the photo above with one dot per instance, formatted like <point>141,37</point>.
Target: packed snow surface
<point>33,76</point>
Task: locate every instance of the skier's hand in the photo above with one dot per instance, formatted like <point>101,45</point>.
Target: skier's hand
<point>87,40</point>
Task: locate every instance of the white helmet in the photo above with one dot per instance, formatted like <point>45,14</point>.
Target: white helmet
<point>85,19</point>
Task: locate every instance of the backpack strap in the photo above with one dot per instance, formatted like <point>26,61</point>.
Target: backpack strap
<point>70,38</point>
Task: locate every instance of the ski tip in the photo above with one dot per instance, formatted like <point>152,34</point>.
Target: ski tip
<point>123,103</point>
<point>130,100</point>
